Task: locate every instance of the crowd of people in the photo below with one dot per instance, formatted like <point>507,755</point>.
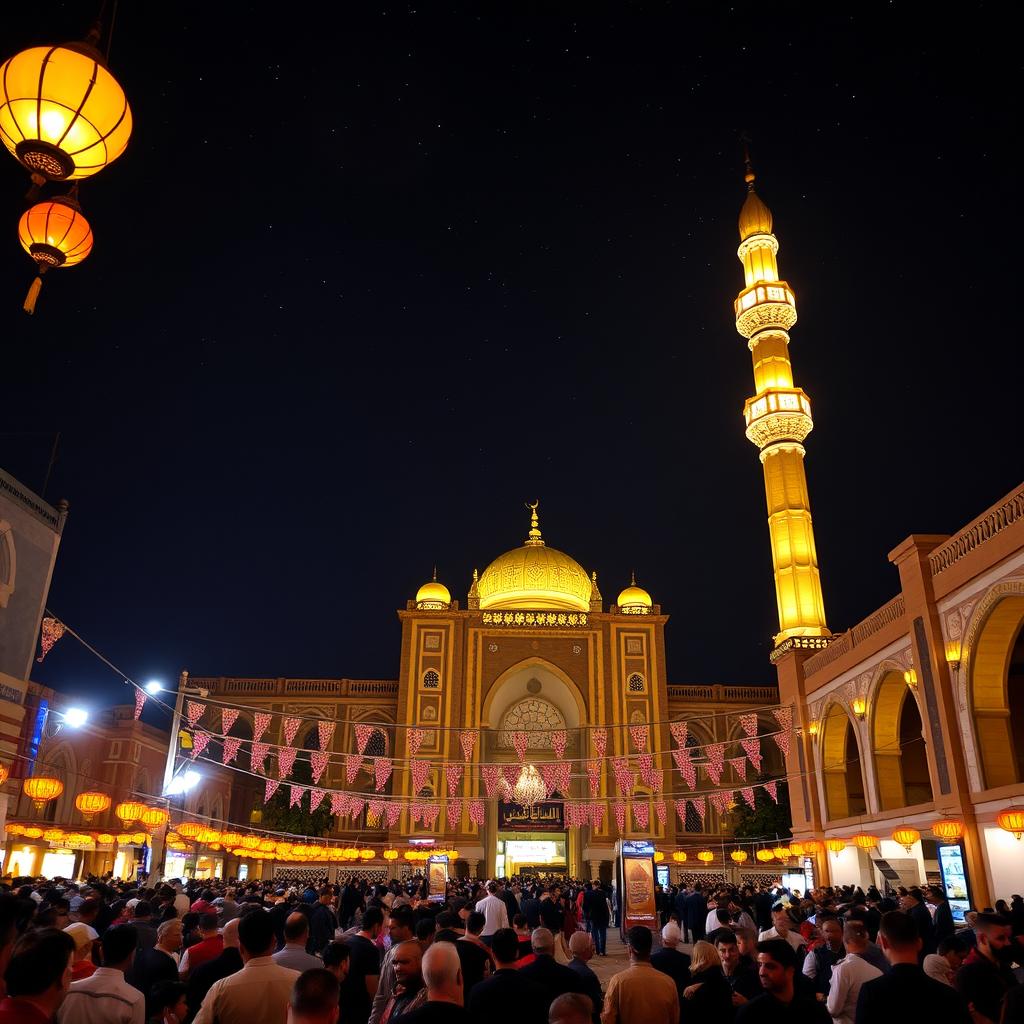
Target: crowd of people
<point>519,951</point>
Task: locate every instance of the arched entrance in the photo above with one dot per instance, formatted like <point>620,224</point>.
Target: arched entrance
<point>841,768</point>
<point>898,744</point>
<point>997,693</point>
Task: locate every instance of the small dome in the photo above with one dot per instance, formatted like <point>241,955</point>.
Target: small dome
<point>433,595</point>
<point>634,600</point>
<point>755,217</point>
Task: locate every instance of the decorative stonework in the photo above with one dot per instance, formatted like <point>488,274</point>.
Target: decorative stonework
<point>758,241</point>
<point>535,716</point>
<point>534,619</point>
<point>779,426</point>
<point>765,315</point>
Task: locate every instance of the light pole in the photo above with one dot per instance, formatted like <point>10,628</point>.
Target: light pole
<point>168,788</point>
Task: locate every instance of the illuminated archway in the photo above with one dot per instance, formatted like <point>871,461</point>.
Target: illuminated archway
<point>997,693</point>
<point>898,744</point>
<point>841,768</point>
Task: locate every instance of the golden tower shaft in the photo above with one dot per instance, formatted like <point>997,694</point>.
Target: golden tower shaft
<point>778,420</point>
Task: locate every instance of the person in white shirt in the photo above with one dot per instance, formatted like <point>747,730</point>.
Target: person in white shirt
<point>849,974</point>
<point>260,991</point>
<point>105,997</point>
<point>783,929</point>
<point>943,965</point>
<point>494,910</point>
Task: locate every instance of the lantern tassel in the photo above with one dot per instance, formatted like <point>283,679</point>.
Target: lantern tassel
<point>33,293</point>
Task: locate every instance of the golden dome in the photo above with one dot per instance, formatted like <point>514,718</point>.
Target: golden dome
<point>433,595</point>
<point>535,577</point>
<point>755,217</point>
<point>634,600</point>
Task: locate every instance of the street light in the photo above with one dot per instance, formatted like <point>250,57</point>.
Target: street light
<point>153,687</point>
<point>183,783</point>
<point>73,718</point>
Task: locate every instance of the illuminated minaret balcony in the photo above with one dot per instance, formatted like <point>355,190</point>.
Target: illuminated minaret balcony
<point>778,420</point>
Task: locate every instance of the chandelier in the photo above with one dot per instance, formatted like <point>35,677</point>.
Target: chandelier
<point>529,787</point>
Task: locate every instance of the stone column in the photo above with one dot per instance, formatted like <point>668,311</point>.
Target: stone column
<point>595,868</point>
<point>474,869</point>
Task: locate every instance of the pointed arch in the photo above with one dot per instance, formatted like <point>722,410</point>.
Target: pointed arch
<point>898,744</point>
<point>841,764</point>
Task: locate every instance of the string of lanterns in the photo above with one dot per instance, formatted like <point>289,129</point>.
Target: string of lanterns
<point>64,117</point>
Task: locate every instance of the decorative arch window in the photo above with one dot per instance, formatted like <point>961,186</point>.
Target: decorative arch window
<point>431,680</point>
<point>636,683</point>
<point>536,717</point>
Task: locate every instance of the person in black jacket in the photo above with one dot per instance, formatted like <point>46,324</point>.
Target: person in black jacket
<point>598,915</point>
<point>696,913</point>
<point>672,961</point>
<point>506,997</point>
<point>531,910</point>
<point>906,992</point>
<point>986,976</point>
<point>545,972</point>
<point>708,996</point>
<point>581,945</point>
<point>943,921</point>
<point>780,1002</point>
<point>322,921</point>
<point>201,980</point>
<point>551,912</point>
<point>158,963</point>
<point>913,904</point>
<point>739,971</point>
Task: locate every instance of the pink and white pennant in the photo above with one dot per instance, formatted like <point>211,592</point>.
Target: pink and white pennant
<point>661,811</point>
<point>681,811</point>
<point>270,789</point>
<point>419,771</point>
<point>600,737</point>
<point>414,740</point>
<point>597,812</point>
<point>784,716</point>
<point>679,731</point>
<point>290,727</point>
<point>700,805</point>
<point>193,712</point>
<point>295,795</point>
<point>453,815</point>
<point>641,814</point>
<point>381,772</point>
<point>748,723</point>
<point>747,792</point>
<point>318,760</point>
<point>491,774</point>
<point>285,761</point>
<point>647,774</point>
<point>316,798</point>
<point>231,745</point>
<point>559,738</point>
<point>258,757</point>
<point>721,799</point>
<point>509,778</point>
<point>228,717</point>
<point>363,734</point>
<point>393,811</point>
<point>375,813</point>
<point>773,790</point>
<point>716,761</point>
<point>355,807</point>
<point>51,630</point>
<point>739,766</point>
<point>339,801</point>
<point>639,734</point>
<point>200,741</point>
<point>753,751</point>
<point>140,701</point>
<point>520,741</point>
<point>782,740</point>
<point>594,776</point>
<point>476,812</point>
<point>467,738</point>
<point>325,733</point>
<point>623,776</point>
<point>453,774</point>
<point>619,809</point>
<point>261,720</point>
<point>353,762</point>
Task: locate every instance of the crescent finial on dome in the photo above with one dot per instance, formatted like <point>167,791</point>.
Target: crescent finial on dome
<point>534,538</point>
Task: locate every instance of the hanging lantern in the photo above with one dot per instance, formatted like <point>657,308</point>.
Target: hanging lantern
<point>14,829</point>
<point>781,852</point>
<point>764,856</point>
<point>1011,820</point>
<point>251,842</point>
<point>679,857</point>
<point>106,839</point>
<point>126,838</point>
<point>658,857</point>
<point>231,839</point>
<point>41,789</point>
<point>529,788</point>
<point>92,803</point>
<point>950,830</point>
<point>797,849</point>
<point>351,853</point>
<point>154,817</point>
<point>33,832</point>
<point>129,811</point>
<point>454,855</point>
<point>864,841</point>
<point>189,830</point>
<point>53,835</point>
<point>739,856</point>
<point>906,837</point>
<point>391,855</point>
<point>366,854</point>
<point>811,847</point>
<point>266,845</point>
<point>55,234</point>
<point>206,836</point>
<point>835,845</point>
<point>138,838</point>
<point>705,856</point>
<point>5,773</point>
<point>62,113</point>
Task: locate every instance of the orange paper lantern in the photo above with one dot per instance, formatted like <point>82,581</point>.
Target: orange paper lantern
<point>906,837</point>
<point>764,856</point>
<point>129,810</point>
<point>189,830</point>
<point>705,856</point>
<point>797,849</point>
<point>5,773</point>
<point>811,847</point>
<point>864,841</point>
<point>154,817</point>
<point>835,845</point>
<point>91,803</point>
<point>41,789</point>
<point>739,856</point>
<point>679,857</point>
<point>1011,820</point>
<point>949,830</point>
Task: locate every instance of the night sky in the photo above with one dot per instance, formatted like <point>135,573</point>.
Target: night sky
<point>362,287</point>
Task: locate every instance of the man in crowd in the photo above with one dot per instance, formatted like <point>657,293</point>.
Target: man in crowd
<point>581,946</point>
<point>777,963</point>
<point>598,914</point>
<point>209,947</point>
<point>640,994</point>
<point>314,998</point>
<point>360,984</point>
<point>142,921</point>
<point>495,912</point>
<point>260,991</point>
<point>202,978</point>
<point>849,974</point>
<point>906,992</point>
<point>401,922</point>
<point>696,913</point>
<point>38,977</point>
<point>670,960</point>
<point>782,928</point>
<point>293,953</point>
<point>530,908</point>
<point>336,957</point>
<point>507,997</point>
<point>408,992</point>
<point>571,1008</point>
<point>442,974</point>
<point>159,963</point>
<point>105,997</point>
<point>913,904</point>
<point>986,975</point>
<point>739,971</point>
<point>943,964</point>
<point>474,956</point>
<point>943,917</point>
<point>551,977</point>
<point>322,921</point>
<point>818,962</point>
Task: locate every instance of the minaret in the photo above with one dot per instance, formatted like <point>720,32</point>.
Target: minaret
<point>778,420</point>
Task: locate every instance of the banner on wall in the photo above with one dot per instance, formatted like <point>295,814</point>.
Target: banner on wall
<point>546,816</point>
